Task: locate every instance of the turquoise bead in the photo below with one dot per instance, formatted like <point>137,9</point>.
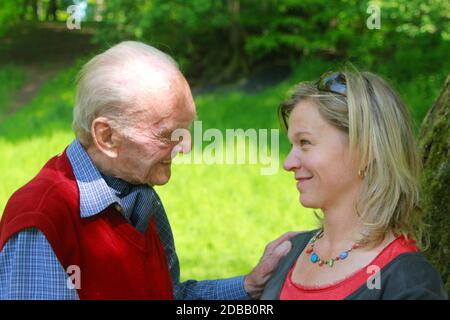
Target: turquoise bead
<point>343,255</point>
<point>314,258</point>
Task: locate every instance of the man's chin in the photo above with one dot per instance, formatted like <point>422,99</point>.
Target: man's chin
<point>159,180</point>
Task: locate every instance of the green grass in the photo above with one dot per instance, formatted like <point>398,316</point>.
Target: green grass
<point>12,78</point>
<point>222,215</point>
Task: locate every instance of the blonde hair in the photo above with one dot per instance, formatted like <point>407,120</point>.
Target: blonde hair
<point>380,131</point>
<point>111,83</point>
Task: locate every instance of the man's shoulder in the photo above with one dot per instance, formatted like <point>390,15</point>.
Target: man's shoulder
<point>52,188</point>
<point>49,202</point>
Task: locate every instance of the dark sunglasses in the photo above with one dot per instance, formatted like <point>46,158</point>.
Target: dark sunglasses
<point>283,116</point>
<point>330,81</point>
<point>333,82</point>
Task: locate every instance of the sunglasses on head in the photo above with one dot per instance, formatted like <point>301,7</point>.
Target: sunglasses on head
<point>330,81</point>
<point>333,82</point>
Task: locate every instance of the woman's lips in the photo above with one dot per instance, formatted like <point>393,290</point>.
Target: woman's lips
<point>302,180</point>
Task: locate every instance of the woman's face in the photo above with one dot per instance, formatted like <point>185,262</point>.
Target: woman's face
<point>320,159</point>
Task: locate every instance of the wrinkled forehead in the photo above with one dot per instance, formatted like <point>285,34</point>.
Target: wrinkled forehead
<point>166,101</point>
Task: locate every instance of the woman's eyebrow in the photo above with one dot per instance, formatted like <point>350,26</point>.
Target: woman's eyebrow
<point>299,133</point>
<point>296,135</point>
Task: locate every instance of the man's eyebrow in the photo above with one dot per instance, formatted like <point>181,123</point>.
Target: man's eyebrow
<point>163,129</point>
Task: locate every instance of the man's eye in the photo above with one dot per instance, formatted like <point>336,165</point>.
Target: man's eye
<point>165,139</point>
<point>168,140</point>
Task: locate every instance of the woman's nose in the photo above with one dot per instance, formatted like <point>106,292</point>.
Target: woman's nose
<point>292,161</point>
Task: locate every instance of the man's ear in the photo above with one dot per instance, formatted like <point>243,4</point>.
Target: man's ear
<point>105,137</point>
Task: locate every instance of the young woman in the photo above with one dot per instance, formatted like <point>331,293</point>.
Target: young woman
<point>353,156</point>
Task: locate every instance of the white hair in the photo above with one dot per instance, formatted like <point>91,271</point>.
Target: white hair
<point>108,85</point>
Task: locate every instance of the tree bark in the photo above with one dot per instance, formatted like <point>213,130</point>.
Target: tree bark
<point>435,181</point>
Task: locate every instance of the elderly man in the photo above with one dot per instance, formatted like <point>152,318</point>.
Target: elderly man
<point>92,212</point>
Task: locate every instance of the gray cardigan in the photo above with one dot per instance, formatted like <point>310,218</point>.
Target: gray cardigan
<point>408,276</point>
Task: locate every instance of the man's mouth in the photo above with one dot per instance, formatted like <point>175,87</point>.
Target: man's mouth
<point>166,161</point>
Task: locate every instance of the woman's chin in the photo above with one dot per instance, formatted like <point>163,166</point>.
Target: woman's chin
<point>307,202</point>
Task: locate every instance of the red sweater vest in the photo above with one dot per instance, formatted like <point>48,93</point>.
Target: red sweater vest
<point>116,261</point>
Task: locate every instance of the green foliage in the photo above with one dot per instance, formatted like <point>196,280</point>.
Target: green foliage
<point>9,14</point>
<point>221,39</point>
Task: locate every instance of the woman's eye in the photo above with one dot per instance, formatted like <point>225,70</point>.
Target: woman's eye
<point>303,142</point>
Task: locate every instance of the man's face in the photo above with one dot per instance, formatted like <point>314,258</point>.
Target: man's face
<point>144,156</point>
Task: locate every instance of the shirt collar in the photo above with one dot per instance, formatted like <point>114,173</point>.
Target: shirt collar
<point>95,194</point>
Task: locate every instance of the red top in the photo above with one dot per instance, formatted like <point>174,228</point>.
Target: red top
<point>116,261</point>
<point>345,287</point>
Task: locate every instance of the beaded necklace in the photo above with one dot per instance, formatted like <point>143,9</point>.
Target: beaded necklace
<point>330,262</point>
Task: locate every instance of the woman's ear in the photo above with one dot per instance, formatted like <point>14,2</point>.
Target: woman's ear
<point>362,172</point>
<point>105,137</point>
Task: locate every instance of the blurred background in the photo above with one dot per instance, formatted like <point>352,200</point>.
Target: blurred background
<point>241,57</point>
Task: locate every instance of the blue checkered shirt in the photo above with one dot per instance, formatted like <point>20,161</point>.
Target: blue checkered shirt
<point>29,269</point>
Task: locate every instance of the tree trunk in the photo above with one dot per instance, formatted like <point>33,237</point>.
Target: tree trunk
<point>435,182</point>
